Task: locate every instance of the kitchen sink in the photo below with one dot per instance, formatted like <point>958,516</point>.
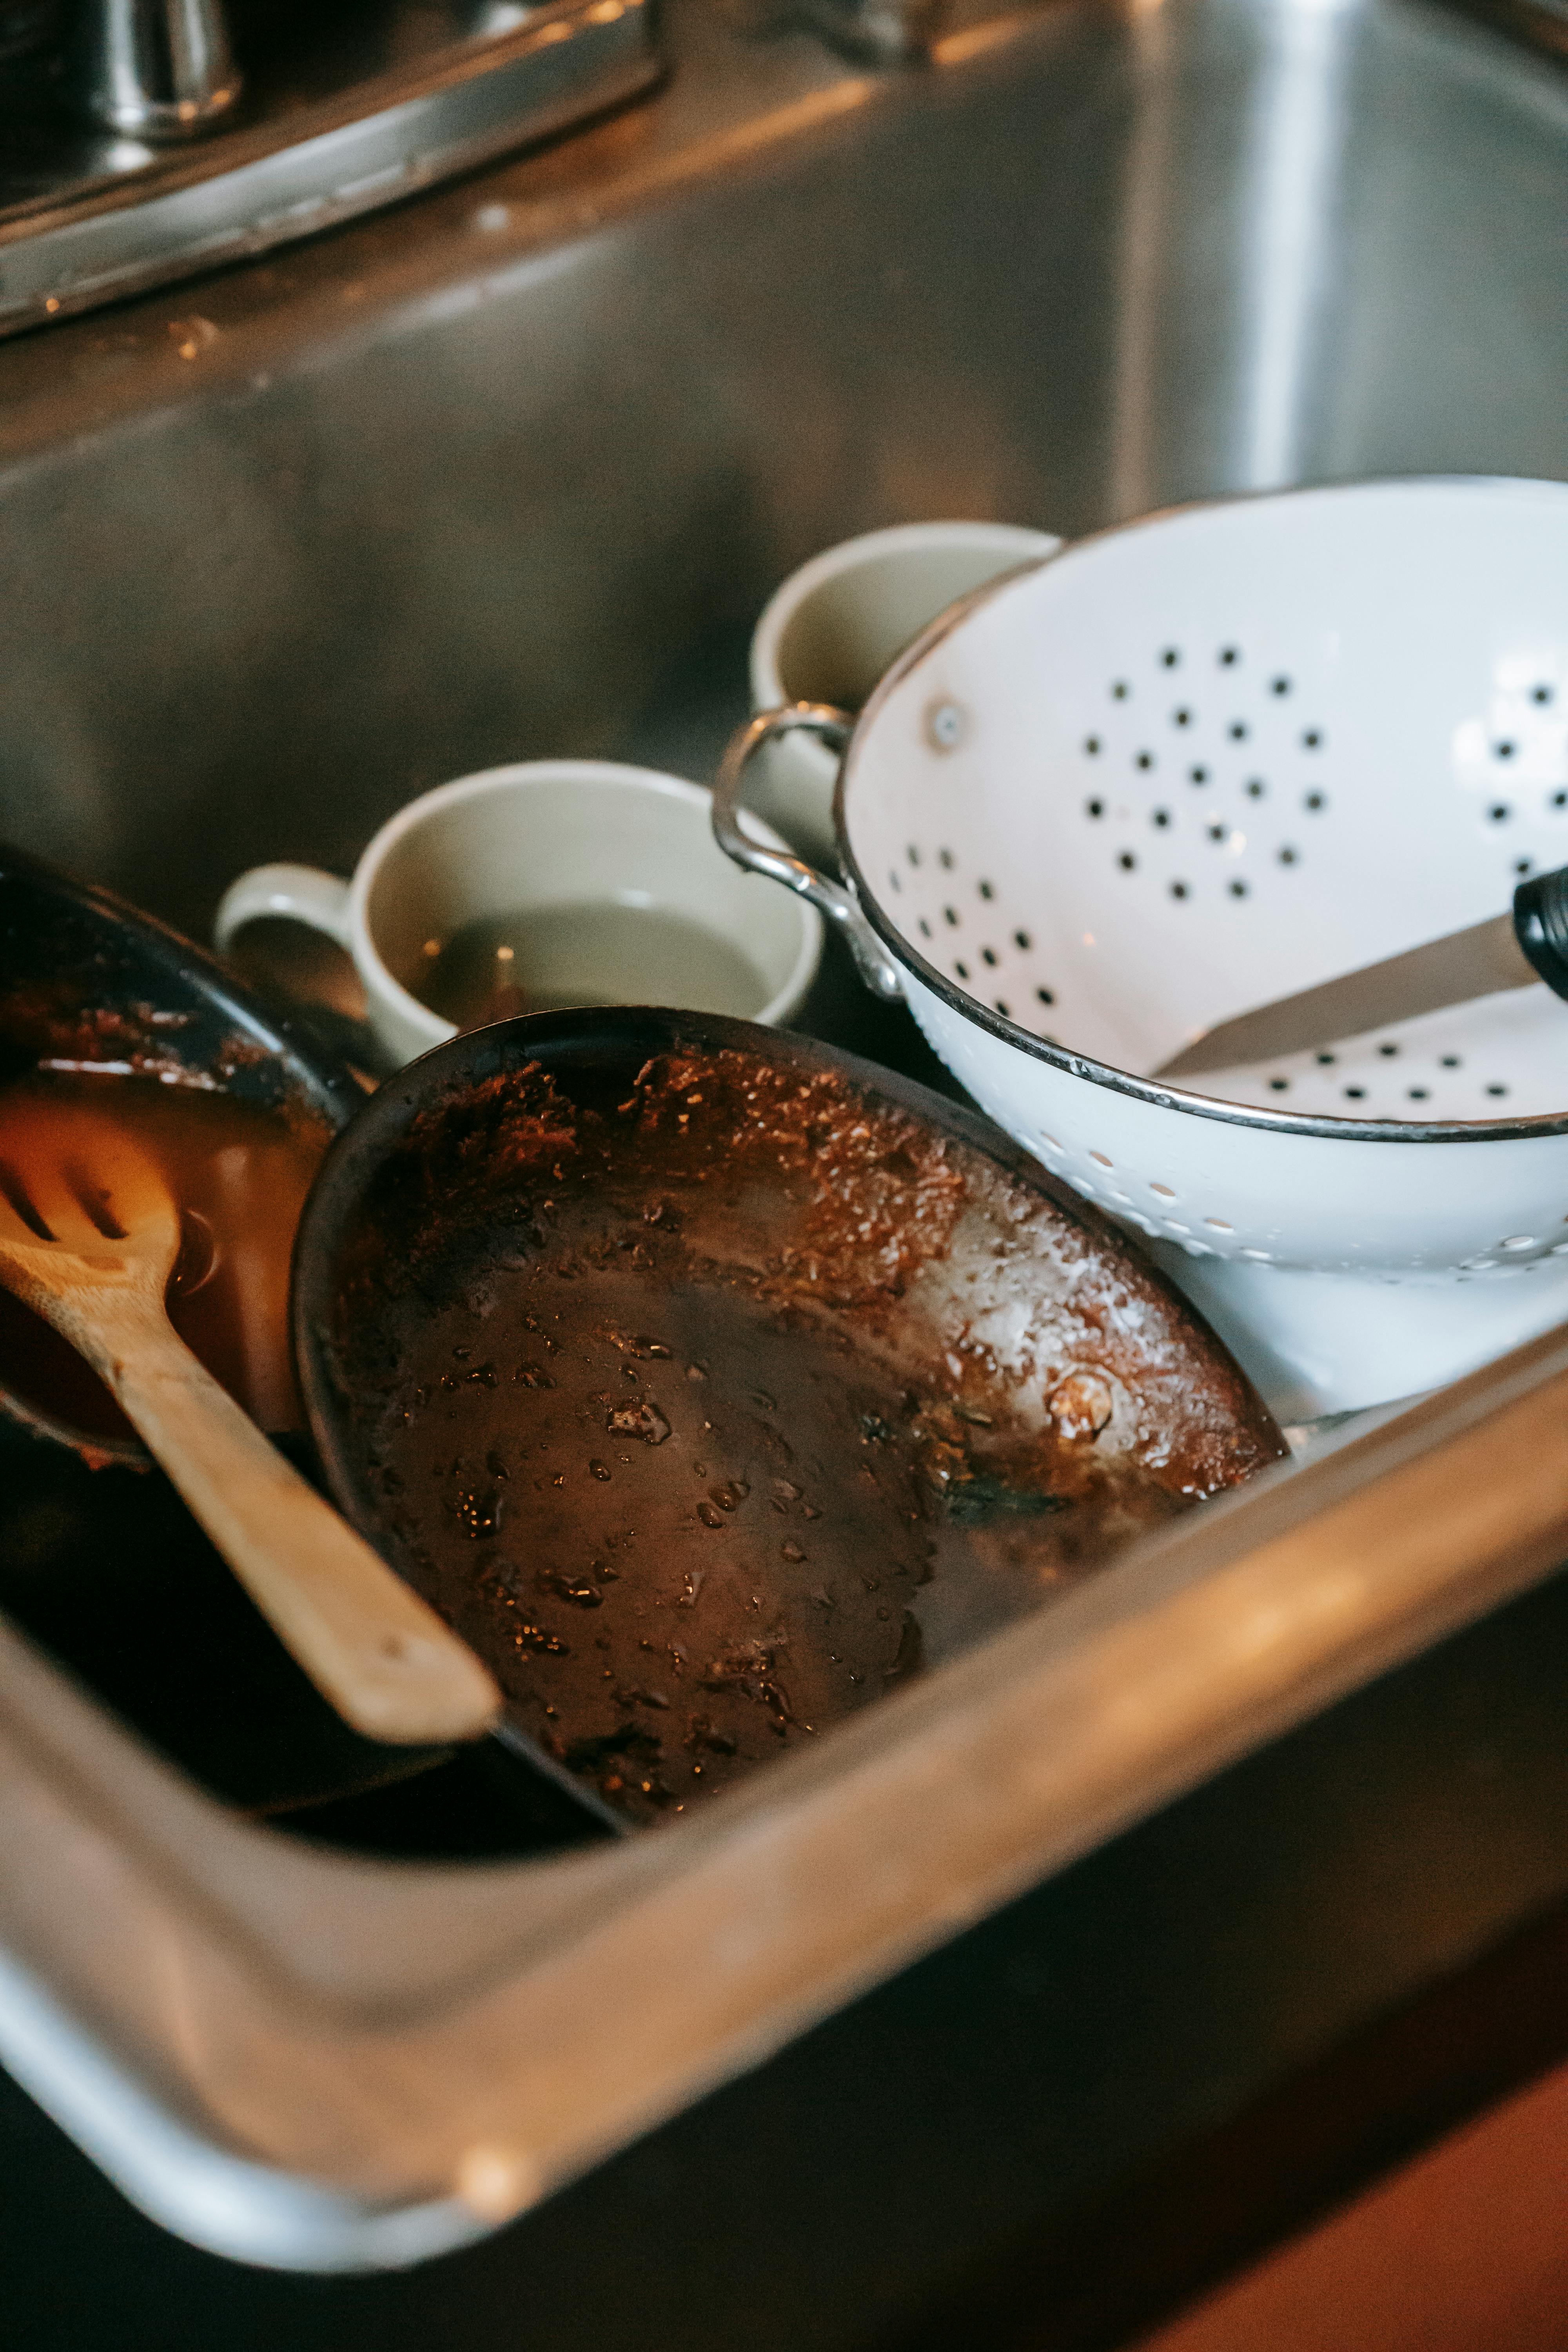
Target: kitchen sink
<point>509,471</point>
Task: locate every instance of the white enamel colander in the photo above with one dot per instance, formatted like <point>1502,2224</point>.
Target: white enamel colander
<point>1193,764</point>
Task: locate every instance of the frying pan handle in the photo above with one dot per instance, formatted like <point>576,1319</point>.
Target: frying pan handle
<point>842,908</point>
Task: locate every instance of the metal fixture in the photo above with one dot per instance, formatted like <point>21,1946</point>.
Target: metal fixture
<point>108,187</point>
<point>156,69</point>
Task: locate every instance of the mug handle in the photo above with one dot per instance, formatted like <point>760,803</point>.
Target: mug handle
<point>842,908</point>
<point>302,894</point>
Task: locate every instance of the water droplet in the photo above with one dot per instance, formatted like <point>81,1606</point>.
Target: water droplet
<point>598,1469</point>
<point>791,1551</point>
<point>709,1516</point>
<point>479,1515</point>
<point>695,1372</point>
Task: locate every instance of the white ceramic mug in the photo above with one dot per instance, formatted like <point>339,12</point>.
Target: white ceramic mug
<point>832,628</point>
<point>537,837</point>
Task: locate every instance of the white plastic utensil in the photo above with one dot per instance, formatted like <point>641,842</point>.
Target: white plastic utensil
<point>1200,763</point>
<point>91,1250</point>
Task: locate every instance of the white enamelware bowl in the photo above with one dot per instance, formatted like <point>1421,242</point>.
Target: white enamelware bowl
<point>1194,763</point>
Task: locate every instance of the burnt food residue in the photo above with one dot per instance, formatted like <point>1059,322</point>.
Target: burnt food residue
<point>711,1413</point>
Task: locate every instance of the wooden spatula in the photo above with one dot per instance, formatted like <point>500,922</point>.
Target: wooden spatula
<point>90,1246</point>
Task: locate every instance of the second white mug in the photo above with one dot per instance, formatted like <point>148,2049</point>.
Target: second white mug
<point>829,631</point>
<point>600,884</point>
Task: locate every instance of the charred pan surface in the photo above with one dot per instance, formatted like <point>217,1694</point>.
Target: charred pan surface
<point>711,1410</point>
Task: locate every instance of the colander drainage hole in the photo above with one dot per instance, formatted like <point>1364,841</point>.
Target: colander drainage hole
<point>1287,855</point>
<point>1229,656</point>
<point>944,859</point>
<point>1560,800</point>
<point>912,853</point>
<point>1281,1086</point>
<point>1355,1094</point>
<point>1452,1061</point>
<point>894,883</point>
<point>961,969</point>
<point>1002,1009</point>
<point>1236,730</point>
<point>1170,657</point>
<point>988,955</point>
<point>1419,1094</point>
<point>925,927</point>
<point>1201,776</point>
<point>985,890</point>
<point>1181,715</point>
<point>1504,751</point>
<point>1094,808</point>
<point>1522,865</point>
<point>1044,996</point>
<point>1022,940</point>
<point>1255,788</point>
<point>1144,759</point>
<point>1278,685</point>
<point>1179,890</point>
<point>1217,832</point>
<point>1092,746</point>
<point>950,914</point>
<point>1499,812</point>
<point>1315,802</point>
<point>1313,738</point>
<point>1540,694</point>
<point>1497,1090</point>
<point>1388,1049</point>
<point>1126,861</point>
<point>1238,889</point>
<point>1159,816</point>
<point>1120,690</point>
<point>1328,1060</point>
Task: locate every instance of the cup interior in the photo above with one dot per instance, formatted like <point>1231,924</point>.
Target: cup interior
<point>577,845</point>
<point>871,598</point>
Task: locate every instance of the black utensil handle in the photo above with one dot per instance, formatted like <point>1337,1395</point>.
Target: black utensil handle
<point>1541,921</point>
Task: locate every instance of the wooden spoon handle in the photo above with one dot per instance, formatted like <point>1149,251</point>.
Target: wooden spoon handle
<point>373,1648</point>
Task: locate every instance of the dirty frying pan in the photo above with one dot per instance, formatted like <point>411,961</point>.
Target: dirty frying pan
<point>714,1384</point>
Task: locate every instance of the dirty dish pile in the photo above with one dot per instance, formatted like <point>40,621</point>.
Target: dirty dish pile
<point>1193,764</point>
<point>712,1383</point>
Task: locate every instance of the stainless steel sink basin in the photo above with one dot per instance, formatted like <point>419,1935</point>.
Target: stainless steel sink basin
<point>510,470</point>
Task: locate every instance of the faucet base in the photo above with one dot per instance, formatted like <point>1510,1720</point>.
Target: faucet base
<point>338,123</point>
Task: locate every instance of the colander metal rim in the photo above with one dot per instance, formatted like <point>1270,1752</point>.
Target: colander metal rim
<point>1342,1127</point>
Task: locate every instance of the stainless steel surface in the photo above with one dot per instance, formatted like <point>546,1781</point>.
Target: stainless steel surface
<point>510,473</point>
<point>157,69</point>
<point>839,905</point>
<point>346,110</point>
<point>1475,962</point>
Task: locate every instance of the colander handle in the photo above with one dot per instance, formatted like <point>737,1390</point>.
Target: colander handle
<point>840,905</point>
